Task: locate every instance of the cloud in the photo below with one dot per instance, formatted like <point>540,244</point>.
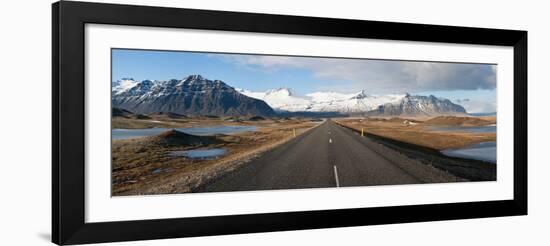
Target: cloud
<point>380,76</point>
<point>476,106</point>
<point>462,100</point>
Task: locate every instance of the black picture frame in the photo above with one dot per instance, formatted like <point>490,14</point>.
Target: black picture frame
<point>68,172</point>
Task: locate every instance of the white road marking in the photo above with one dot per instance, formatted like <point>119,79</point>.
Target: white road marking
<point>336,176</point>
<point>330,140</point>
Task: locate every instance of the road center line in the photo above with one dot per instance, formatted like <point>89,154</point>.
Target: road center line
<point>336,176</point>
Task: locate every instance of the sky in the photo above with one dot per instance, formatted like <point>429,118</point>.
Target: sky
<point>471,85</point>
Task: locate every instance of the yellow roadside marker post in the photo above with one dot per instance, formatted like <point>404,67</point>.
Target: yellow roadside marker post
<point>362,132</point>
<point>294,131</point>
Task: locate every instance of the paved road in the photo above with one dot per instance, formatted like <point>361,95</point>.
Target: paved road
<point>326,156</point>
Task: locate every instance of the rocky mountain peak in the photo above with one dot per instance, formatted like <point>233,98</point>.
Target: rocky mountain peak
<point>360,95</point>
<point>283,91</point>
<point>194,77</point>
<point>419,106</point>
<point>194,95</point>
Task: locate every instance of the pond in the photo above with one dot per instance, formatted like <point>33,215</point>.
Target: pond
<point>482,129</point>
<point>484,151</point>
<point>199,154</point>
<point>199,131</point>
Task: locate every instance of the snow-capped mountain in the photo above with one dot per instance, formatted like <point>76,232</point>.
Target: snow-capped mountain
<point>123,85</point>
<point>419,106</point>
<point>196,95</point>
<point>282,99</point>
<point>193,95</point>
<point>349,103</point>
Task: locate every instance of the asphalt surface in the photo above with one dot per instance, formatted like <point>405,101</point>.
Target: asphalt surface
<point>326,156</point>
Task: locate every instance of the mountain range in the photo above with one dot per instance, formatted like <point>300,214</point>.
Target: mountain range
<point>419,106</point>
<point>193,95</point>
<point>196,95</point>
<point>283,100</point>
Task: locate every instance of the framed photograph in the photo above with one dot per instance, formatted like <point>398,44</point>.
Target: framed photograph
<point>175,122</point>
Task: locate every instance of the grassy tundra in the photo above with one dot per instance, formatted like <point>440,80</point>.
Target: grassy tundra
<point>420,132</point>
<point>145,166</point>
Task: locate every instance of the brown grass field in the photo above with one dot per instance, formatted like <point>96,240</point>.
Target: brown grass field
<point>144,166</point>
<point>418,132</point>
